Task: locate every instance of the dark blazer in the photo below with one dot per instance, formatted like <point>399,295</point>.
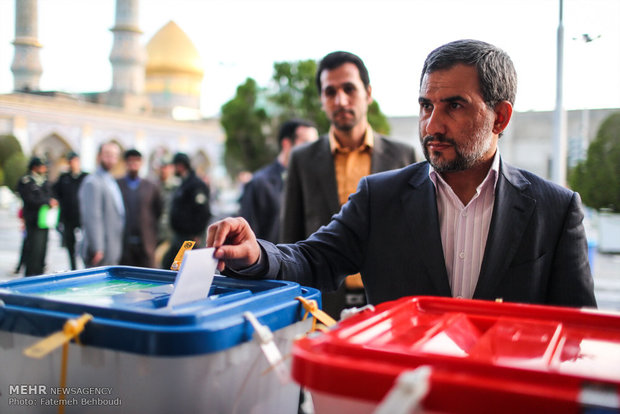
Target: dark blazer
<point>148,208</point>
<point>389,231</point>
<point>311,190</point>
<point>261,200</point>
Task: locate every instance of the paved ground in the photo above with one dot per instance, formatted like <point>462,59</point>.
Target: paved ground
<point>606,267</point>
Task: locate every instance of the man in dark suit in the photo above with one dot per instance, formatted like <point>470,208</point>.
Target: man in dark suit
<point>322,175</point>
<point>463,224</point>
<point>262,195</point>
<point>66,191</point>
<point>143,206</point>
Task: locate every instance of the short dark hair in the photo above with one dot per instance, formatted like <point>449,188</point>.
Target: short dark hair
<point>289,128</point>
<point>132,153</point>
<point>496,73</point>
<point>182,158</point>
<point>35,162</point>
<point>335,60</point>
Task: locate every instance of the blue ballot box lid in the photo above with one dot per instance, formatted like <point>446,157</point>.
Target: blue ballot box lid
<point>130,312</point>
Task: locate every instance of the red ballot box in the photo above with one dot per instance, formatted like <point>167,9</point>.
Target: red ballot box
<point>484,357</point>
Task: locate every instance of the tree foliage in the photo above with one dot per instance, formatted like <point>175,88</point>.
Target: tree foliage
<point>8,146</point>
<point>252,118</point>
<point>14,168</point>
<point>377,119</point>
<point>294,93</point>
<point>244,122</point>
<point>597,178</point>
<point>13,163</point>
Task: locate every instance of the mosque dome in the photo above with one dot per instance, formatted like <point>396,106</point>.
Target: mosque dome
<point>170,51</point>
<point>173,71</point>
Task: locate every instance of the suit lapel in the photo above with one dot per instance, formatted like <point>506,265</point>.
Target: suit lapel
<point>420,211</point>
<point>511,213</point>
<point>378,160</point>
<point>325,174</point>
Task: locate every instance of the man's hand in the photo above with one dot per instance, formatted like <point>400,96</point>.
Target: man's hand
<point>97,257</point>
<point>234,242</point>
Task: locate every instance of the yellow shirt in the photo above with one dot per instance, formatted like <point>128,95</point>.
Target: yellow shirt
<point>350,166</point>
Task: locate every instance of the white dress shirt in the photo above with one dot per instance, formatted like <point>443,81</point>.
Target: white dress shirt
<point>464,229</point>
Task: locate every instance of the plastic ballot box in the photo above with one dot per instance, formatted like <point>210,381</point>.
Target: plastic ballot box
<point>480,357</point>
<point>138,355</point>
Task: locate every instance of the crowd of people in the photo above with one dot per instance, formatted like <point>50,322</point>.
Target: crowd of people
<point>104,220</point>
<point>353,212</point>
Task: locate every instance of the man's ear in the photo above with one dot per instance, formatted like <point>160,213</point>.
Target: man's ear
<point>287,144</point>
<point>369,94</point>
<point>503,113</point>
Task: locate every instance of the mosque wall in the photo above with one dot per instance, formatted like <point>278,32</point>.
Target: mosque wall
<point>49,127</point>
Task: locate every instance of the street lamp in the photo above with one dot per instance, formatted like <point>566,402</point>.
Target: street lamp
<point>558,164</point>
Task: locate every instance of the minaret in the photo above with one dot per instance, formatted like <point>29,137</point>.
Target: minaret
<point>127,58</point>
<point>26,65</point>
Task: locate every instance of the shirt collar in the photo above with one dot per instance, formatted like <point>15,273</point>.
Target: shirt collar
<point>493,173</point>
<point>334,145</point>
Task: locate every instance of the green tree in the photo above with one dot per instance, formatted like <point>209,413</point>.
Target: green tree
<point>245,123</point>
<point>377,119</point>
<point>294,93</point>
<point>597,178</point>
<point>9,147</point>
<point>14,167</point>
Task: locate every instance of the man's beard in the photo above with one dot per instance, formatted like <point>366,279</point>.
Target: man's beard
<point>346,126</point>
<point>465,157</point>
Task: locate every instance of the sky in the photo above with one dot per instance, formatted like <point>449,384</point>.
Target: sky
<point>238,39</point>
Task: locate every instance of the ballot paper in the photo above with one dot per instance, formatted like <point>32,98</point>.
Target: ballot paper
<point>194,278</point>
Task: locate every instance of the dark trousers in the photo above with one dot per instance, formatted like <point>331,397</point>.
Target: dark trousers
<point>35,249</point>
<point>68,240</point>
<point>134,254</point>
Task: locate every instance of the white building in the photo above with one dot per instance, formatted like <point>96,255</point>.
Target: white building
<point>153,104</point>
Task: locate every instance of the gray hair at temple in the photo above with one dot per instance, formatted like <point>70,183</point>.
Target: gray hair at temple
<point>497,75</point>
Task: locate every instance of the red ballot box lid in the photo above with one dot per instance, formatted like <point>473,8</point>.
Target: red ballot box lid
<point>484,356</point>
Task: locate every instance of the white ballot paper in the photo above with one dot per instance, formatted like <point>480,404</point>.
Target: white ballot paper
<point>194,278</point>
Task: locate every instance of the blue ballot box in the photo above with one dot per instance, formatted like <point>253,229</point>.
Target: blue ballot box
<point>139,355</point>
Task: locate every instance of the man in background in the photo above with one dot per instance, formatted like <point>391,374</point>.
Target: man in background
<point>167,183</point>
<point>190,210</point>
<point>322,175</point>
<point>262,195</point>
<point>35,192</point>
<point>143,207</point>
<point>66,192</point>
<point>102,211</point>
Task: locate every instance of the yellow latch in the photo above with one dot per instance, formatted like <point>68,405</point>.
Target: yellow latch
<point>71,330</point>
<point>178,259</point>
<point>312,307</point>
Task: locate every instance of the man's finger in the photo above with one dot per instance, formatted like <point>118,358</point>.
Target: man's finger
<point>218,233</point>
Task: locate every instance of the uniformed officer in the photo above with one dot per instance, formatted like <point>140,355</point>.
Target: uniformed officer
<point>190,211</point>
<point>35,192</point>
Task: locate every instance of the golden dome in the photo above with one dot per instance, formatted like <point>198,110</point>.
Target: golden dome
<point>170,51</point>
